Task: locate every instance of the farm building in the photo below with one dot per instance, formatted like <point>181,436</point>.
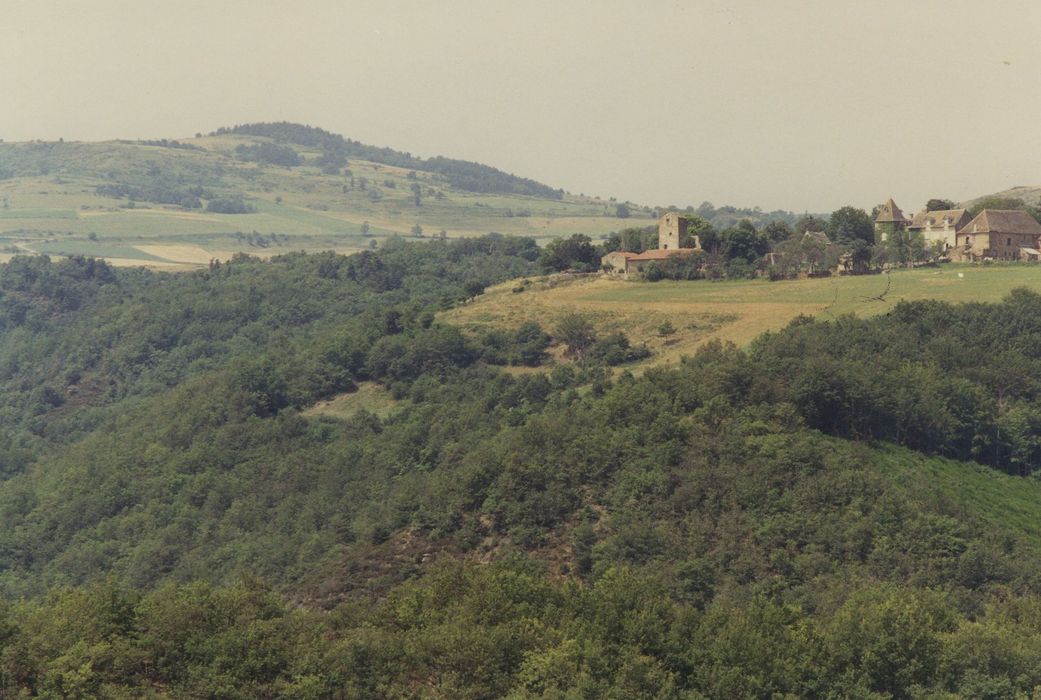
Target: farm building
<point>672,230</point>
<point>889,220</point>
<point>942,225</point>
<point>999,234</point>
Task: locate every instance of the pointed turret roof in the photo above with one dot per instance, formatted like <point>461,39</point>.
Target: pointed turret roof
<point>890,213</point>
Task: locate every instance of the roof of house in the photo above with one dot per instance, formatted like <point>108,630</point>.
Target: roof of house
<point>817,236</point>
<point>925,219</point>
<point>890,213</point>
<point>1002,221</point>
<point>625,253</point>
<point>662,254</point>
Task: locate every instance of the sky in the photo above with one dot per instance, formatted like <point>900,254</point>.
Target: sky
<point>781,104</point>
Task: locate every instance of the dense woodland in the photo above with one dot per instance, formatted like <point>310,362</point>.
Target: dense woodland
<point>176,523</point>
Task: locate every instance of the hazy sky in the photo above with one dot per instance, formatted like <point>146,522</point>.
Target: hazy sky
<point>794,105</point>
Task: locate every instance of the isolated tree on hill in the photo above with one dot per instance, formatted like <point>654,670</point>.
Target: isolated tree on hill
<point>575,331</point>
<point>939,205</point>
<point>417,230</point>
<point>622,211</point>
<point>474,289</point>
<point>850,224</point>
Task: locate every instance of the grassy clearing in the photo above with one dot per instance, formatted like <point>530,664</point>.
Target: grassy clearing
<point>736,311</point>
<point>369,396</point>
<point>998,499</point>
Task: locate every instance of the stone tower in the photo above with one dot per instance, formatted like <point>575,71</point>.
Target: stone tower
<point>889,221</point>
<point>672,229</point>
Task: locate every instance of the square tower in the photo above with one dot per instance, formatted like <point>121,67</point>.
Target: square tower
<point>672,228</point>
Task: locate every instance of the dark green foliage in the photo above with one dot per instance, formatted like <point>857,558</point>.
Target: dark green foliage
<point>160,194</point>
<point>576,332</point>
<point>936,204</point>
<point>229,205</point>
<point>576,252</point>
<point>849,224</point>
<point>473,177</point>
<point>525,347</point>
<point>270,153</point>
<point>777,231</point>
<point>180,525</point>
<point>1004,203</point>
<point>744,242</point>
<point>633,240</point>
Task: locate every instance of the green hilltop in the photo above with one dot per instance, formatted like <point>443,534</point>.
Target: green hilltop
<point>265,189</point>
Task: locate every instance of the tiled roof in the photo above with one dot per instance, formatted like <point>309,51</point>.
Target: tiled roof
<point>662,254</point>
<point>1002,221</point>
<point>890,213</point>
<point>936,218</point>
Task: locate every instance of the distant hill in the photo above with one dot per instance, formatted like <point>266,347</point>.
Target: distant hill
<point>265,189</point>
<point>1031,195</point>
<point>465,175</point>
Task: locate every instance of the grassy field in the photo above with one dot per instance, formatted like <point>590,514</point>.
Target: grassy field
<point>369,396</point>
<point>1002,500</point>
<point>50,204</point>
<point>735,311</point>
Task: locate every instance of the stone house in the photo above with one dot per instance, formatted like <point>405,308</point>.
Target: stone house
<point>616,263</point>
<point>998,234</point>
<point>672,229</point>
<point>889,220</point>
<point>942,225</point>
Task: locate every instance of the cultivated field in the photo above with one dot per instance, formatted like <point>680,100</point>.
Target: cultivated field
<point>735,311</point>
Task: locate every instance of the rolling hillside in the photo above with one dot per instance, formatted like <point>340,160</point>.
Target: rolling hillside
<point>731,310</point>
<point>162,203</point>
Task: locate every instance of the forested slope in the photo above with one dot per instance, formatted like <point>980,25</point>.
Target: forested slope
<point>845,509</point>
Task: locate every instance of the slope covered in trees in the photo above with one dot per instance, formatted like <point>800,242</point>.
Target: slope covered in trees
<point>466,175</point>
<point>784,520</point>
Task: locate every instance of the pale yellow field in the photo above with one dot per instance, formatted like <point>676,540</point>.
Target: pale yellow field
<point>736,311</point>
<point>152,264</point>
<point>548,300</point>
<point>194,254</point>
<point>369,396</point>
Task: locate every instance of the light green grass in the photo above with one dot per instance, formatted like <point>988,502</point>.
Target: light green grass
<point>37,214</point>
<point>995,498</point>
<point>838,295</point>
<point>54,195</point>
<point>740,310</point>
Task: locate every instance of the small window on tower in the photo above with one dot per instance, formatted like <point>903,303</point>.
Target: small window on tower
<point>1008,241</point>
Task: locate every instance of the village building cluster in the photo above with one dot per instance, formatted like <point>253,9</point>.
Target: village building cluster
<point>993,234</point>
<point>672,231</point>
